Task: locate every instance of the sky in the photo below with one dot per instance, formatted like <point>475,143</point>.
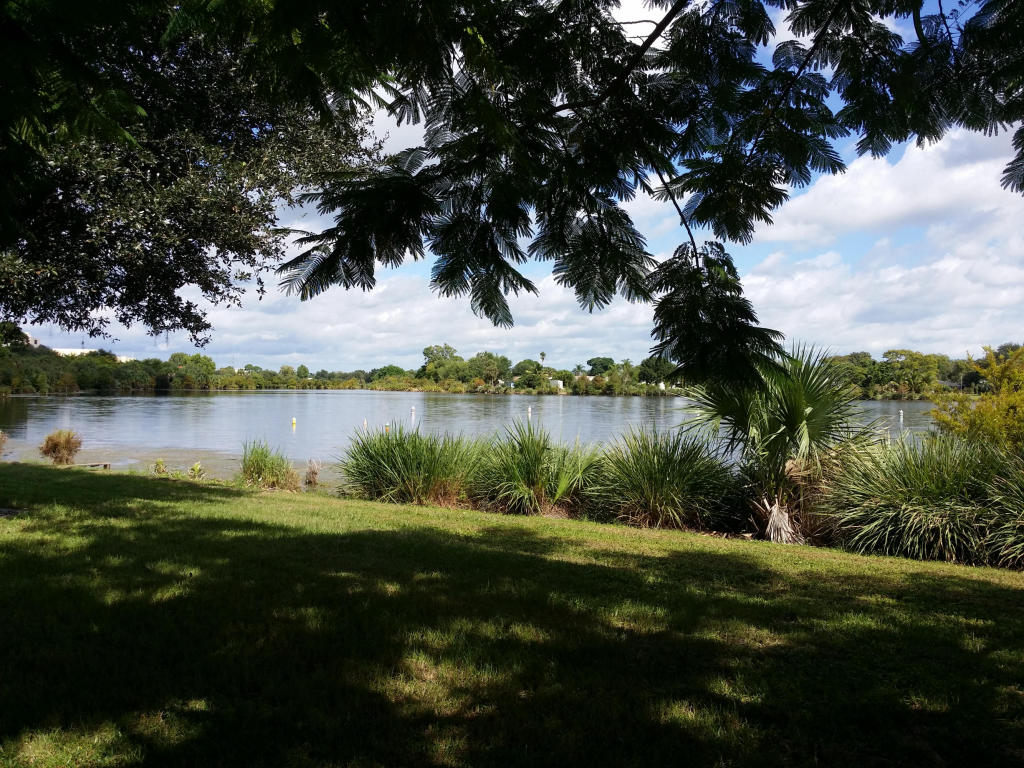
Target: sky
<point>919,250</point>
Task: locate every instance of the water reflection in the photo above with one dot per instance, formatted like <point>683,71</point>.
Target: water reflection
<point>124,425</point>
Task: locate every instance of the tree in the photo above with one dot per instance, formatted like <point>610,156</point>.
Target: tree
<point>387,370</point>
<point>655,370</point>
<point>541,119</point>
<point>784,431</point>
<point>543,356</point>
<point>302,372</point>
<point>489,366</point>
<point>600,365</point>
<point>525,366</point>
<point>170,174</point>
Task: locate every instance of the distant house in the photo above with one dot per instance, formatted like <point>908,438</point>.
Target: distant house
<point>557,383</point>
<point>33,341</point>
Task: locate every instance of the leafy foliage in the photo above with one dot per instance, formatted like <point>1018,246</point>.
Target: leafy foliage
<point>786,432</point>
<point>703,322</point>
<point>541,120</point>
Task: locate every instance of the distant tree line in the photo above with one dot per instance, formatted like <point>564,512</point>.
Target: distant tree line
<point>901,373</point>
<point>904,373</point>
<point>28,370</point>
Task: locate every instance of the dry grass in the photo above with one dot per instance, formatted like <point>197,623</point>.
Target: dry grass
<point>61,446</point>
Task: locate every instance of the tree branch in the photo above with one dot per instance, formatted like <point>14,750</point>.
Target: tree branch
<point>633,63</point>
<point>679,210</point>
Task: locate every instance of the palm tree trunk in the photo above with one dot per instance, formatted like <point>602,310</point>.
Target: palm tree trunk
<point>780,524</point>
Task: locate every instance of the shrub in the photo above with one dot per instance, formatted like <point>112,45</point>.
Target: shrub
<point>404,466</point>
<point>1005,540</point>
<point>996,418</point>
<point>196,472</point>
<point>160,467</point>
<point>525,473</point>
<point>61,446</point>
<point>264,467</point>
<point>668,480</point>
<point>3,441</point>
<point>927,499</point>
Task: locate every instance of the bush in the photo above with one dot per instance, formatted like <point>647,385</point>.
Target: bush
<point>525,473</point>
<point>196,472</point>
<point>927,499</point>
<point>3,441</point>
<point>668,480</point>
<point>61,446</point>
<point>1005,540</point>
<point>264,467</point>
<point>996,419</point>
<point>405,466</point>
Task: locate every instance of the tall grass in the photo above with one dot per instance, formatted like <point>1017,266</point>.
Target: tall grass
<point>1005,540</point>
<point>525,473</point>
<point>3,441</point>
<point>61,446</point>
<point>668,480</point>
<point>405,466</point>
<point>927,499</point>
<point>267,468</point>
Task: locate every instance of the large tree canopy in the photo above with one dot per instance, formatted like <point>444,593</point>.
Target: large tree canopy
<point>542,117</point>
<point>132,213</point>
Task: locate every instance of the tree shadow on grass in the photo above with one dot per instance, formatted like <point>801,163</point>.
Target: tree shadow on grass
<point>215,641</point>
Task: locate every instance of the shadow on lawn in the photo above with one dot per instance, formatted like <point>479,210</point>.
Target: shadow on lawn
<point>212,641</point>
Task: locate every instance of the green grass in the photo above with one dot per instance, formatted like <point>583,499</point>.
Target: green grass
<point>154,622</point>
<point>266,467</point>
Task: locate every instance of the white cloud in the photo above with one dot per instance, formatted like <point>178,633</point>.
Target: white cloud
<point>956,179</point>
<point>951,303</point>
<point>343,330</point>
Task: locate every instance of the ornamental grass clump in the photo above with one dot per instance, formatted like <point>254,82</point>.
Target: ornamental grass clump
<point>405,466</point>
<point>1005,540</point>
<point>61,446</point>
<point>927,499</point>
<point>265,467</point>
<point>668,480</point>
<point>525,473</point>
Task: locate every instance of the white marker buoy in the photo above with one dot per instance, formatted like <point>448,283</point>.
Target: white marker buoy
<point>412,416</point>
<point>529,413</point>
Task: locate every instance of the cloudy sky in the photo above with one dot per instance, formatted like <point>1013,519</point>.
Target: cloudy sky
<point>922,249</point>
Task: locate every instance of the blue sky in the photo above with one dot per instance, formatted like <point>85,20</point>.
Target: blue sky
<point>922,249</point>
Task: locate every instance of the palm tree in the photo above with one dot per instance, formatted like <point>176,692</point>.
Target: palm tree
<point>786,433</point>
<point>578,370</point>
<point>542,356</point>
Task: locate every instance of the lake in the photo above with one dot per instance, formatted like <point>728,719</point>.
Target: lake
<point>131,431</point>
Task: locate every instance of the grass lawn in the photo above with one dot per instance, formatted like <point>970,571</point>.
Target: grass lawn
<point>155,622</point>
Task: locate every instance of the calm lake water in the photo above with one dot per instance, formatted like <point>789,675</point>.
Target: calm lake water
<point>131,431</point>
